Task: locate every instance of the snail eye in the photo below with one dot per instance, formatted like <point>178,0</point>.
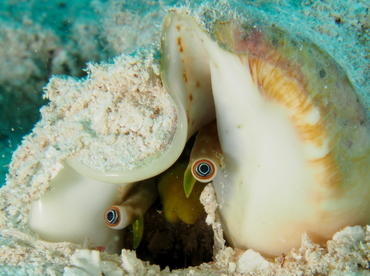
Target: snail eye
<point>204,170</point>
<point>112,217</point>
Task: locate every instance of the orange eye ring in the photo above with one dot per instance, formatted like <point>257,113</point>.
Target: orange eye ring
<point>112,216</point>
<point>204,170</point>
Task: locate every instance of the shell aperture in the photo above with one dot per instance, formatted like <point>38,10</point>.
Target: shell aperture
<point>294,136</point>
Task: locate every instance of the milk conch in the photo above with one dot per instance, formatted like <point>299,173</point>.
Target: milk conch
<point>291,152</point>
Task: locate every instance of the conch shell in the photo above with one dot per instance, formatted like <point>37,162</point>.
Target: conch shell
<point>293,133</point>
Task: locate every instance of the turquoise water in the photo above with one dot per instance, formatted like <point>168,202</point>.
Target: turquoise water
<point>37,31</point>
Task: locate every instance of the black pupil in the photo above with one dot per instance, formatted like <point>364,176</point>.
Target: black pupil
<point>112,216</point>
<point>204,170</point>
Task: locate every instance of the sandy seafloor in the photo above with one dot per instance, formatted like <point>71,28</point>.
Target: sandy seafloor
<point>42,38</point>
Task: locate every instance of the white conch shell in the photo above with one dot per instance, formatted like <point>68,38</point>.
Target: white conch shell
<point>279,182</point>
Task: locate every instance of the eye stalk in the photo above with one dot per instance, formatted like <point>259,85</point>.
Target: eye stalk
<point>205,158</point>
<point>204,170</point>
<point>118,216</point>
<point>132,210</point>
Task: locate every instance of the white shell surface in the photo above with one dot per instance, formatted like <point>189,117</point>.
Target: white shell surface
<point>186,73</point>
<point>73,210</point>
